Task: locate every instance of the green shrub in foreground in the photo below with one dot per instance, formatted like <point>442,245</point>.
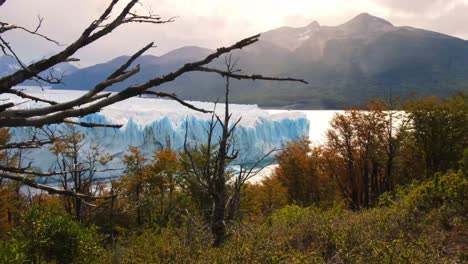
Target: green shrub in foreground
<point>12,252</point>
<point>47,235</point>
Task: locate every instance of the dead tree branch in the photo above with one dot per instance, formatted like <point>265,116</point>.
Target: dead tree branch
<point>247,77</point>
<point>86,124</point>
<point>51,190</point>
<point>27,144</point>
<point>175,98</point>
<point>4,27</point>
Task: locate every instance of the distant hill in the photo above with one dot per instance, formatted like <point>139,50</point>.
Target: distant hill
<point>9,65</point>
<point>345,65</point>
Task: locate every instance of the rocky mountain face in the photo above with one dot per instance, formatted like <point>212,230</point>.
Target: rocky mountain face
<point>345,65</point>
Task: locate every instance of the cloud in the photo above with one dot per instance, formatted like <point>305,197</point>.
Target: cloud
<point>450,22</point>
<point>416,6</point>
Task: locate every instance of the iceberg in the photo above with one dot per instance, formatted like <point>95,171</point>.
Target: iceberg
<point>154,124</point>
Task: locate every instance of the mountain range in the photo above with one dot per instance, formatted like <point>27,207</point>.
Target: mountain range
<point>345,65</point>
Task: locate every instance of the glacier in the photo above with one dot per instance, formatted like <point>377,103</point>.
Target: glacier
<point>154,124</point>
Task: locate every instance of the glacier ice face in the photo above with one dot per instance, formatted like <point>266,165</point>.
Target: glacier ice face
<point>154,124</point>
<point>251,141</point>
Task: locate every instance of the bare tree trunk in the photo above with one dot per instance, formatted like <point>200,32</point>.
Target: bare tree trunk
<point>138,205</point>
<point>170,197</point>
<point>218,226</point>
<point>9,216</point>
<point>78,205</point>
<point>388,173</point>
<point>234,204</point>
<point>390,152</point>
<point>352,177</point>
<point>366,184</point>
<point>111,216</point>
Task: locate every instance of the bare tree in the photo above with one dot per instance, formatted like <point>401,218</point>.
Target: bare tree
<point>78,161</point>
<point>246,172</point>
<point>216,155</point>
<point>96,98</point>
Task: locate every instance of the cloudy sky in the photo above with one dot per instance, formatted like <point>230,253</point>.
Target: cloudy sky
<point>212,23</point>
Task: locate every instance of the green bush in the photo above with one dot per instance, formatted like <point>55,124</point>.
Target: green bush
<point>12,252</point>
<point>47,235</point>
<point>443,199</point>
<point>166,245</point>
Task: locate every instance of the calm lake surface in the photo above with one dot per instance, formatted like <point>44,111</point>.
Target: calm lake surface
<point>319,122</point>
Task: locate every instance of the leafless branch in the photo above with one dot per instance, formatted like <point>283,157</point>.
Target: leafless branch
<point>175,98</point>
<point>86,124</point>
<point>51,79</point>
<point>51,190</point>
<point>50,173</point>
<point>3,107</point>
<point>27,144</point>
<point>4,27</point>
<point>254,169</point>
<point>27,96</point>
<point>247,77</point>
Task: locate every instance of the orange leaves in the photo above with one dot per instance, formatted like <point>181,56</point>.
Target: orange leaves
<point>166,156</point>
<point>69,144</point>
<point>59,146</point>
<point>4,136</point>
<point>135,162</point>
<point>166,161</point>
<point>11,206</point>
<point>263,198</point>
<point>8,157</point>
<point>299,171</point>
<point>150,186</point>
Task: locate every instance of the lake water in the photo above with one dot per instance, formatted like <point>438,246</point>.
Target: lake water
<point>319,124</point>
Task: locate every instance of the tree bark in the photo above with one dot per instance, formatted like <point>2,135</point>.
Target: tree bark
<point>366,184</point>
